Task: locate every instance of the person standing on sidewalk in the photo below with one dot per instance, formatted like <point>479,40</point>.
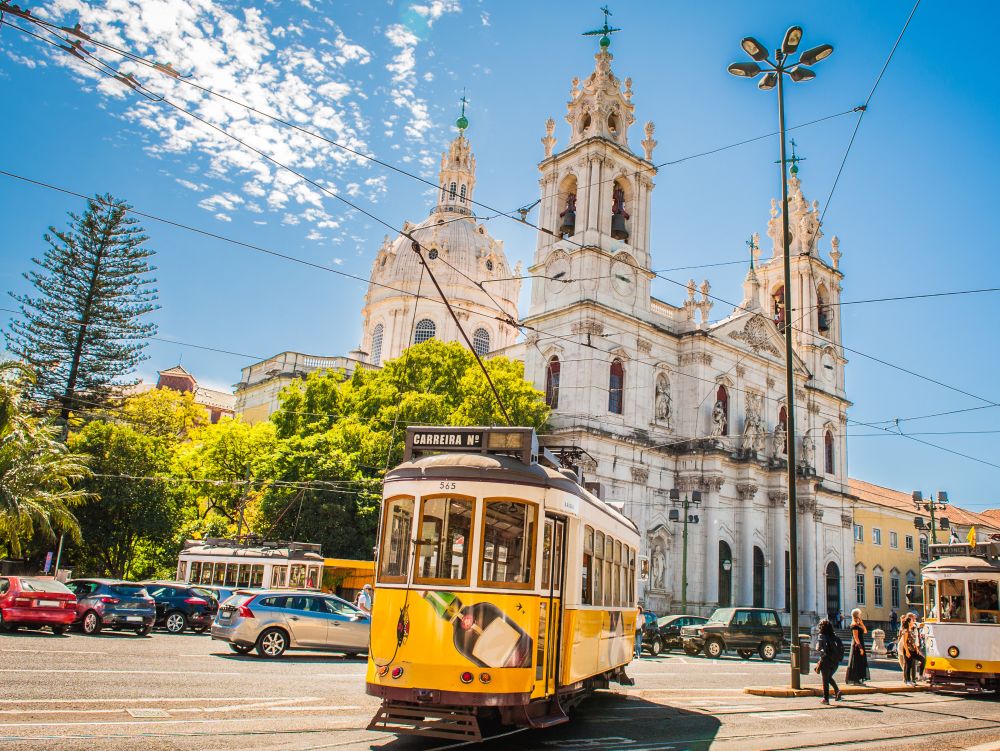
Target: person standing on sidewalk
<point>857,665</point>
<point>640,623</point>
<point>831,651</point>
<point>900,652</point>
<point>914,658</point>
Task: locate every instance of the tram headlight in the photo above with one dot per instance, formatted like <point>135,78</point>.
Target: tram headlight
<point>953,651</point>
<point>466,677</point>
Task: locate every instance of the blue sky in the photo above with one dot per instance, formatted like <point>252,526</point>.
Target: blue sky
<point>914,209</point>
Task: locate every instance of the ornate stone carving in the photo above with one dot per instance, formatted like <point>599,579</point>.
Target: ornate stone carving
<point>588,327</point>
<point>846,521</point>
<point>649,143</point>
<point>663,402</point>
<point>746,491</point>
<point>808,449</point>
<point>643,345</point>
<point>757,335</point>
<point>714,482</point>
<point>586,464</point>
<point>813,408</point>
<point>843,418</point>
<point>695,358</point>
<point>658,567</point>
<point>805,504</point>
<point>741,372</point>
<point>770,383</point>
<point>778,441</point>
<point>640,475</point>
<point>835,251</point>
<point>818,515</point>
<point>753,426</point>
<point>549,140</point>
<point>777,497</point>
<point>719,420</point>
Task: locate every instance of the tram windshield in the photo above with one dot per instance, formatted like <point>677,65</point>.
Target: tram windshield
<point>396,542</point>
<point>983,596</point>
<point>951,601</point>
<point>508,543</point>
<point>445,540</point>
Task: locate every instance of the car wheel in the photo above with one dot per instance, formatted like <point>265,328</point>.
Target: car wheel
<point>272,643</point>
<point>91,623</point>
<point>713,648</point>
<point>767,651</point>
<point>176,622</point>
<point>241,649</point>
<point>59,630</point>
<point>745,654</point>
<point>144,631</point>
<point>656,646</point>
<point>690,650</point>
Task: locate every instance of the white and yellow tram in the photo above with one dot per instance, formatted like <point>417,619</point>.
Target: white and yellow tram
<point>505,591</point>
<point>962,613</point>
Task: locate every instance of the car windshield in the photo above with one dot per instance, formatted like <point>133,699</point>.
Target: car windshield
<point>666,620</point>
<point>44,585</point>
<point>722,615</point>
<point>128,590</point>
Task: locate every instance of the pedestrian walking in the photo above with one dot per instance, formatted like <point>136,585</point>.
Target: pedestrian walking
<point>831,651</point>
<point>857,665</point>
<point>364,599</point>
<point>914,656</point>
<point>893,623</point>
<point>640,621</point>
<point>900,652</point>
<point>840,619</point>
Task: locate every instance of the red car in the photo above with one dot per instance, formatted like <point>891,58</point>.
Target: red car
<point>35,602</point>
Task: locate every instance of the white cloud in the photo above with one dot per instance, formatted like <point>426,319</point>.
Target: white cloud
<point>485,18</point>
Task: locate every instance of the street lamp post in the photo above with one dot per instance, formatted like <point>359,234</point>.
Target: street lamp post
<point>930,505</point>
<point>695,500</point>
<point>774,75</point>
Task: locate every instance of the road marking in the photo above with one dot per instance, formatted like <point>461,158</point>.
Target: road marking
<point>267,702</point>
<point>149,713</point>
<point>55,651</point>
<point>115,672</point>
<point>184,721</point>
<point>778,715</point>
<point>145,699</point>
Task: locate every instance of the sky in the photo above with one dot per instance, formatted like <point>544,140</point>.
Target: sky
<point>914,207</point>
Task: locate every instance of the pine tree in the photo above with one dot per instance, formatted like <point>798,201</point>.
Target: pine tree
<point>84,329</point>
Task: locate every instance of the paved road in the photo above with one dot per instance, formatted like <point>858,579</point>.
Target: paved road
<point>187,692</point>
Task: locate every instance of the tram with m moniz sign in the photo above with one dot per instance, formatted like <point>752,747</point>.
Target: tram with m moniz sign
<point>505,591</point>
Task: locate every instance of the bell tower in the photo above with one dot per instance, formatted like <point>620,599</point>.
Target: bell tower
<point>457,177</point>
<point>595,195</point>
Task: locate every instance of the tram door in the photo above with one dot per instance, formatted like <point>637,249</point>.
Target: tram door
<point>550,606</point>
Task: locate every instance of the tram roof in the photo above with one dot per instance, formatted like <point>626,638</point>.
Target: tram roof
<point>961,564</point>
<point>498,468</point>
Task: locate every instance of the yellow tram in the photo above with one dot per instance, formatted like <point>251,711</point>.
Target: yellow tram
<point>505,591</point>
<point>961,592</point>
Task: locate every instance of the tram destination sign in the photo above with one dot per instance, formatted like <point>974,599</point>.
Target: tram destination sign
<point>520,442</point>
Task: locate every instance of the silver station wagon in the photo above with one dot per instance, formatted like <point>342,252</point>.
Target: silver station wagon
<point>273,621</point>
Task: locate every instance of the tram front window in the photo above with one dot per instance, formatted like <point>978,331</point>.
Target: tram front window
<point>930,597</point>
<point>445,539</point>
<point>398,528</point>
<point>508,544</point>
<point>983,596</point>
<point>951,599</point>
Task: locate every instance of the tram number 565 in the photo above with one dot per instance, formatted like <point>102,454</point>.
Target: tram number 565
<point>447,485</point>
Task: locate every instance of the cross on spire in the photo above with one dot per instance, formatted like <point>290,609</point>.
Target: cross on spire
<point>752,244</point>
<point>605,31</point>
<point>463,122</point>
<point>793,160</point>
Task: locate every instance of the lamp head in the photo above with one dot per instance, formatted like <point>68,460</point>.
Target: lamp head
<point>754,48</point>
<point>696,497</point>
<point>799,74</point>
<point>768,82</point>
<point>814,55</point>
<point>675,494</point>
<point>942,497</point>
<point>792,38</point>
<point>744,70</point>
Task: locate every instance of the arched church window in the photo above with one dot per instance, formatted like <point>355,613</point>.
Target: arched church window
<point>722,402</point>
<point>783,422</point>
<point>481,342</point>
<point>377,344</point>
<point>778,307</point>
<point>824,315</point>
<point>463,194</point>
<point>613,124</point>
<point>425,330</point>
<point>616,387</point>
<point>619,230</point>
<point>828,451</point>
<point>552,373</point>
<point>454,190</point>
<point>585,123</point>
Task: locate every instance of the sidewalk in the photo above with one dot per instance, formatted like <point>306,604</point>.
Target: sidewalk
<point>873,687</point>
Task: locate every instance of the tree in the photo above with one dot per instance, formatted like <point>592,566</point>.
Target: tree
<point>83,327</point>
<point>165,413</point>
<point>37,472</point>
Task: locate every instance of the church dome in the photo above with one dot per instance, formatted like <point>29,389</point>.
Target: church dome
<point>402,307</point>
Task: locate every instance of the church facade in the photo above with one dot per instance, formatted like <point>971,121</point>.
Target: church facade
<point>674,410</point>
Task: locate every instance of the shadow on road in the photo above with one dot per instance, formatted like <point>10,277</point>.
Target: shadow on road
<point>302,659</point>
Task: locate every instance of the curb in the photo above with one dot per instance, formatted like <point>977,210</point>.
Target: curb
<point>785,692</point>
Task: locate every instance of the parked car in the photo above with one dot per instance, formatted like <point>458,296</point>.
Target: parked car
<point>669,627</point>
<point>35,602</point>
<point>182,606</point>
<point>276,620</point>
<point>221,594</point>
<point>747,630</point>
<point>112,603</point>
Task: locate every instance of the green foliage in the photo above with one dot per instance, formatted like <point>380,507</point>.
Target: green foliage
<point>83,328</point>
<point>345,433</point>
<point>37,472</point>
<point>165,413</point>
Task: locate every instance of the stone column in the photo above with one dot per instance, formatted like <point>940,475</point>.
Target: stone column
<point>777,511</point>
<point>710,539</point>
<point>593,201</point>
<point>819,575</point>
<point>807,567</point>
<point>744,593</point>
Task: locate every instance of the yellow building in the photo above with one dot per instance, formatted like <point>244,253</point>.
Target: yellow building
<point>889,549</point>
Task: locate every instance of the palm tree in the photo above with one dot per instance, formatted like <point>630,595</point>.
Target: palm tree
<point>37,471</point>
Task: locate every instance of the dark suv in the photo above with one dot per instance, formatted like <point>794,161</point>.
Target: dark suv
<point>109,603</point>
<point>670,629</point>
<point>181,606</point>
<point>747,630</point>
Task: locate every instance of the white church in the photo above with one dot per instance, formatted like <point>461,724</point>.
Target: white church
<point>669,407</point>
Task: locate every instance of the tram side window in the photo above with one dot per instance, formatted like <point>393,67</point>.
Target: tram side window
<point>219,577</point>
<point>951,596</point>
<point>445,540</point>
<point>618,573</point>
<point>278,574</point>
<point>631,577</point>
<point>195,575</point>
<point>609,571</point>
<point>257,575</point>
<point>508,543</point>
<point>930,597</point>
<point>985,601</point>
<point>598,568</point>
<point>396,543</point>
<point>586,575</point>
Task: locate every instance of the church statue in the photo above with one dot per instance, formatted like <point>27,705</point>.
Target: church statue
<point>753,429</point>
<point>663,399</point>
<point>718,420</point>
<point>808,450</point>
<point>780,438</point>
<point>659,569</point>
